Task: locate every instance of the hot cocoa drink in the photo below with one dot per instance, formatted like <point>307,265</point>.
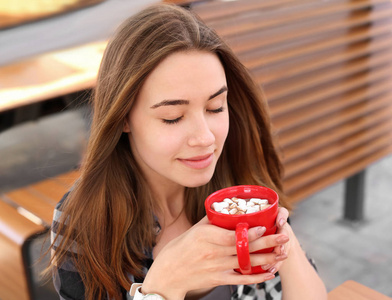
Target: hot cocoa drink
<point>238,206</point>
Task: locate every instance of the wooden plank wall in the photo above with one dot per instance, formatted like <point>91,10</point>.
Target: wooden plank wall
<point>325,67</point>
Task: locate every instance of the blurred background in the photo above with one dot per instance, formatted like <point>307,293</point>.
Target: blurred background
<point>49,55</point>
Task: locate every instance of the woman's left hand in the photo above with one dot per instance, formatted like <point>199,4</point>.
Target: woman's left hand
<point>283,250</point>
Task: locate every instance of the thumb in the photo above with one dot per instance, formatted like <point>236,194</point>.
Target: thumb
<point>203,221</point>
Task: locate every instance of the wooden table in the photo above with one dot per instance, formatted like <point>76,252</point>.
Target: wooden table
<point>21,11</point>
<point>50,75</point>
<point>351,290</point>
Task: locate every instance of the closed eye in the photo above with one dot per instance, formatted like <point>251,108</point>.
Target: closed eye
<point>173,121</point>
<point>215,111</point>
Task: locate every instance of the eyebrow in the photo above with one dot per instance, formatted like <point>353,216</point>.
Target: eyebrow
<point>182,101</point>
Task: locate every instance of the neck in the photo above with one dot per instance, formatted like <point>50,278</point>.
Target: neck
<point>169,202</point>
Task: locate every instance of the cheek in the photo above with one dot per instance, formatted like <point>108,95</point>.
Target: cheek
<point>157,142</point>
<point>167,144</point>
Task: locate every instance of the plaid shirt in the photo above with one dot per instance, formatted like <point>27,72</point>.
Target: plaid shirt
<point>68,283</point>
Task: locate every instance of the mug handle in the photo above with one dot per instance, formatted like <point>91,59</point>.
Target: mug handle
<point>241,235</point>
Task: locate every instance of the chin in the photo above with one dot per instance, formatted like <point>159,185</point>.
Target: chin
<point>197,182</point>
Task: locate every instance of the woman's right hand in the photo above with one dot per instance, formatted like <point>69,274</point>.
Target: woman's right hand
<point>205,257</point>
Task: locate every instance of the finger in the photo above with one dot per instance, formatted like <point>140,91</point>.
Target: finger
<point>234,278</point>
<point>229,239</point>
<point>217,235</point>
<point>267,266</point>
<point>280,249</point>
<point>277,262</point>
<point>276,266</point>
<point>255,232</point>
<point>231,262</point>
<point>269,241</point>
<point>228,236</point>
<point>282,217</point>
<point>263,259</point>
<point>271,268</point>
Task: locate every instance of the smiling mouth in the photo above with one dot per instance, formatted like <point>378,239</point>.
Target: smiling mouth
<point>198,162</point>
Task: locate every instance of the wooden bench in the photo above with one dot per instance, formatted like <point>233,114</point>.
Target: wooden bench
<point>325,68</point>
<point>25,214</point>
<point>352,290</point>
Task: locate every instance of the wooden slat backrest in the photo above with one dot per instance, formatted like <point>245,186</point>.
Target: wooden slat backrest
<point>325,68</point>
<point>40,198</point>
<point>33,203</point>
<point>24,213</point>
<point>15,230</point>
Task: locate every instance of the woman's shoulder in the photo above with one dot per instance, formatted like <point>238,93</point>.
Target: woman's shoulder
<point>59,208</point>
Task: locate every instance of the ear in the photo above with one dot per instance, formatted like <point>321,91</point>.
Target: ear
<point>126,127</point>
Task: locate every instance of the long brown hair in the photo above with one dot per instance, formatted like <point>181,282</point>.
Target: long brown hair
<point>109,212</point>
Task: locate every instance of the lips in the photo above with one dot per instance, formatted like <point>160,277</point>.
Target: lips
<point>198,162</point>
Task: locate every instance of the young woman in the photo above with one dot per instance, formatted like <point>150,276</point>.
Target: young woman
<point>176,117</point>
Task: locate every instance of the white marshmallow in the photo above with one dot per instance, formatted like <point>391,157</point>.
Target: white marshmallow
<point>264,206</point>
<point>241,202</point>
<point>238,206</point>
<point>218,206</point>
<point>242,207</point>
<point>234,205</point>
<point>257,207</point>
<point>259,201</point>
<point>233,211</point>
<point>252,210</point>
<point>228,200</point>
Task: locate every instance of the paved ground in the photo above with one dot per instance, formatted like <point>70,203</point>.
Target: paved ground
<point>52,145</point>
<point>361,252</point>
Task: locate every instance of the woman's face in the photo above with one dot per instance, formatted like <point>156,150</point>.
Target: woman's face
<point>179,123</point>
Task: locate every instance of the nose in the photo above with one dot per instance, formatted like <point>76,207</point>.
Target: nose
<point>201,134</point>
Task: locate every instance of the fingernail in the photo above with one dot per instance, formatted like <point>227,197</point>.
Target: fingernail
<point>282,239</point>
<point>281,249</point>
<point>272,270</point>
<point>281,222</point>
<point>281,257</point>
<point>260,230</point>
<point>269,276</point>
<point>266,267</point>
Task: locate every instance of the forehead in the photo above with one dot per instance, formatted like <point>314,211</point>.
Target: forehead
<point>185,75</point>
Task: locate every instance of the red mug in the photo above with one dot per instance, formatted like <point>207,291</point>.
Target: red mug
<point>241,223</point>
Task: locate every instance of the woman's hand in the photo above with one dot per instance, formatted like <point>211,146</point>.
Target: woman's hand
<point>204,257</point>
<point>282,251</point>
